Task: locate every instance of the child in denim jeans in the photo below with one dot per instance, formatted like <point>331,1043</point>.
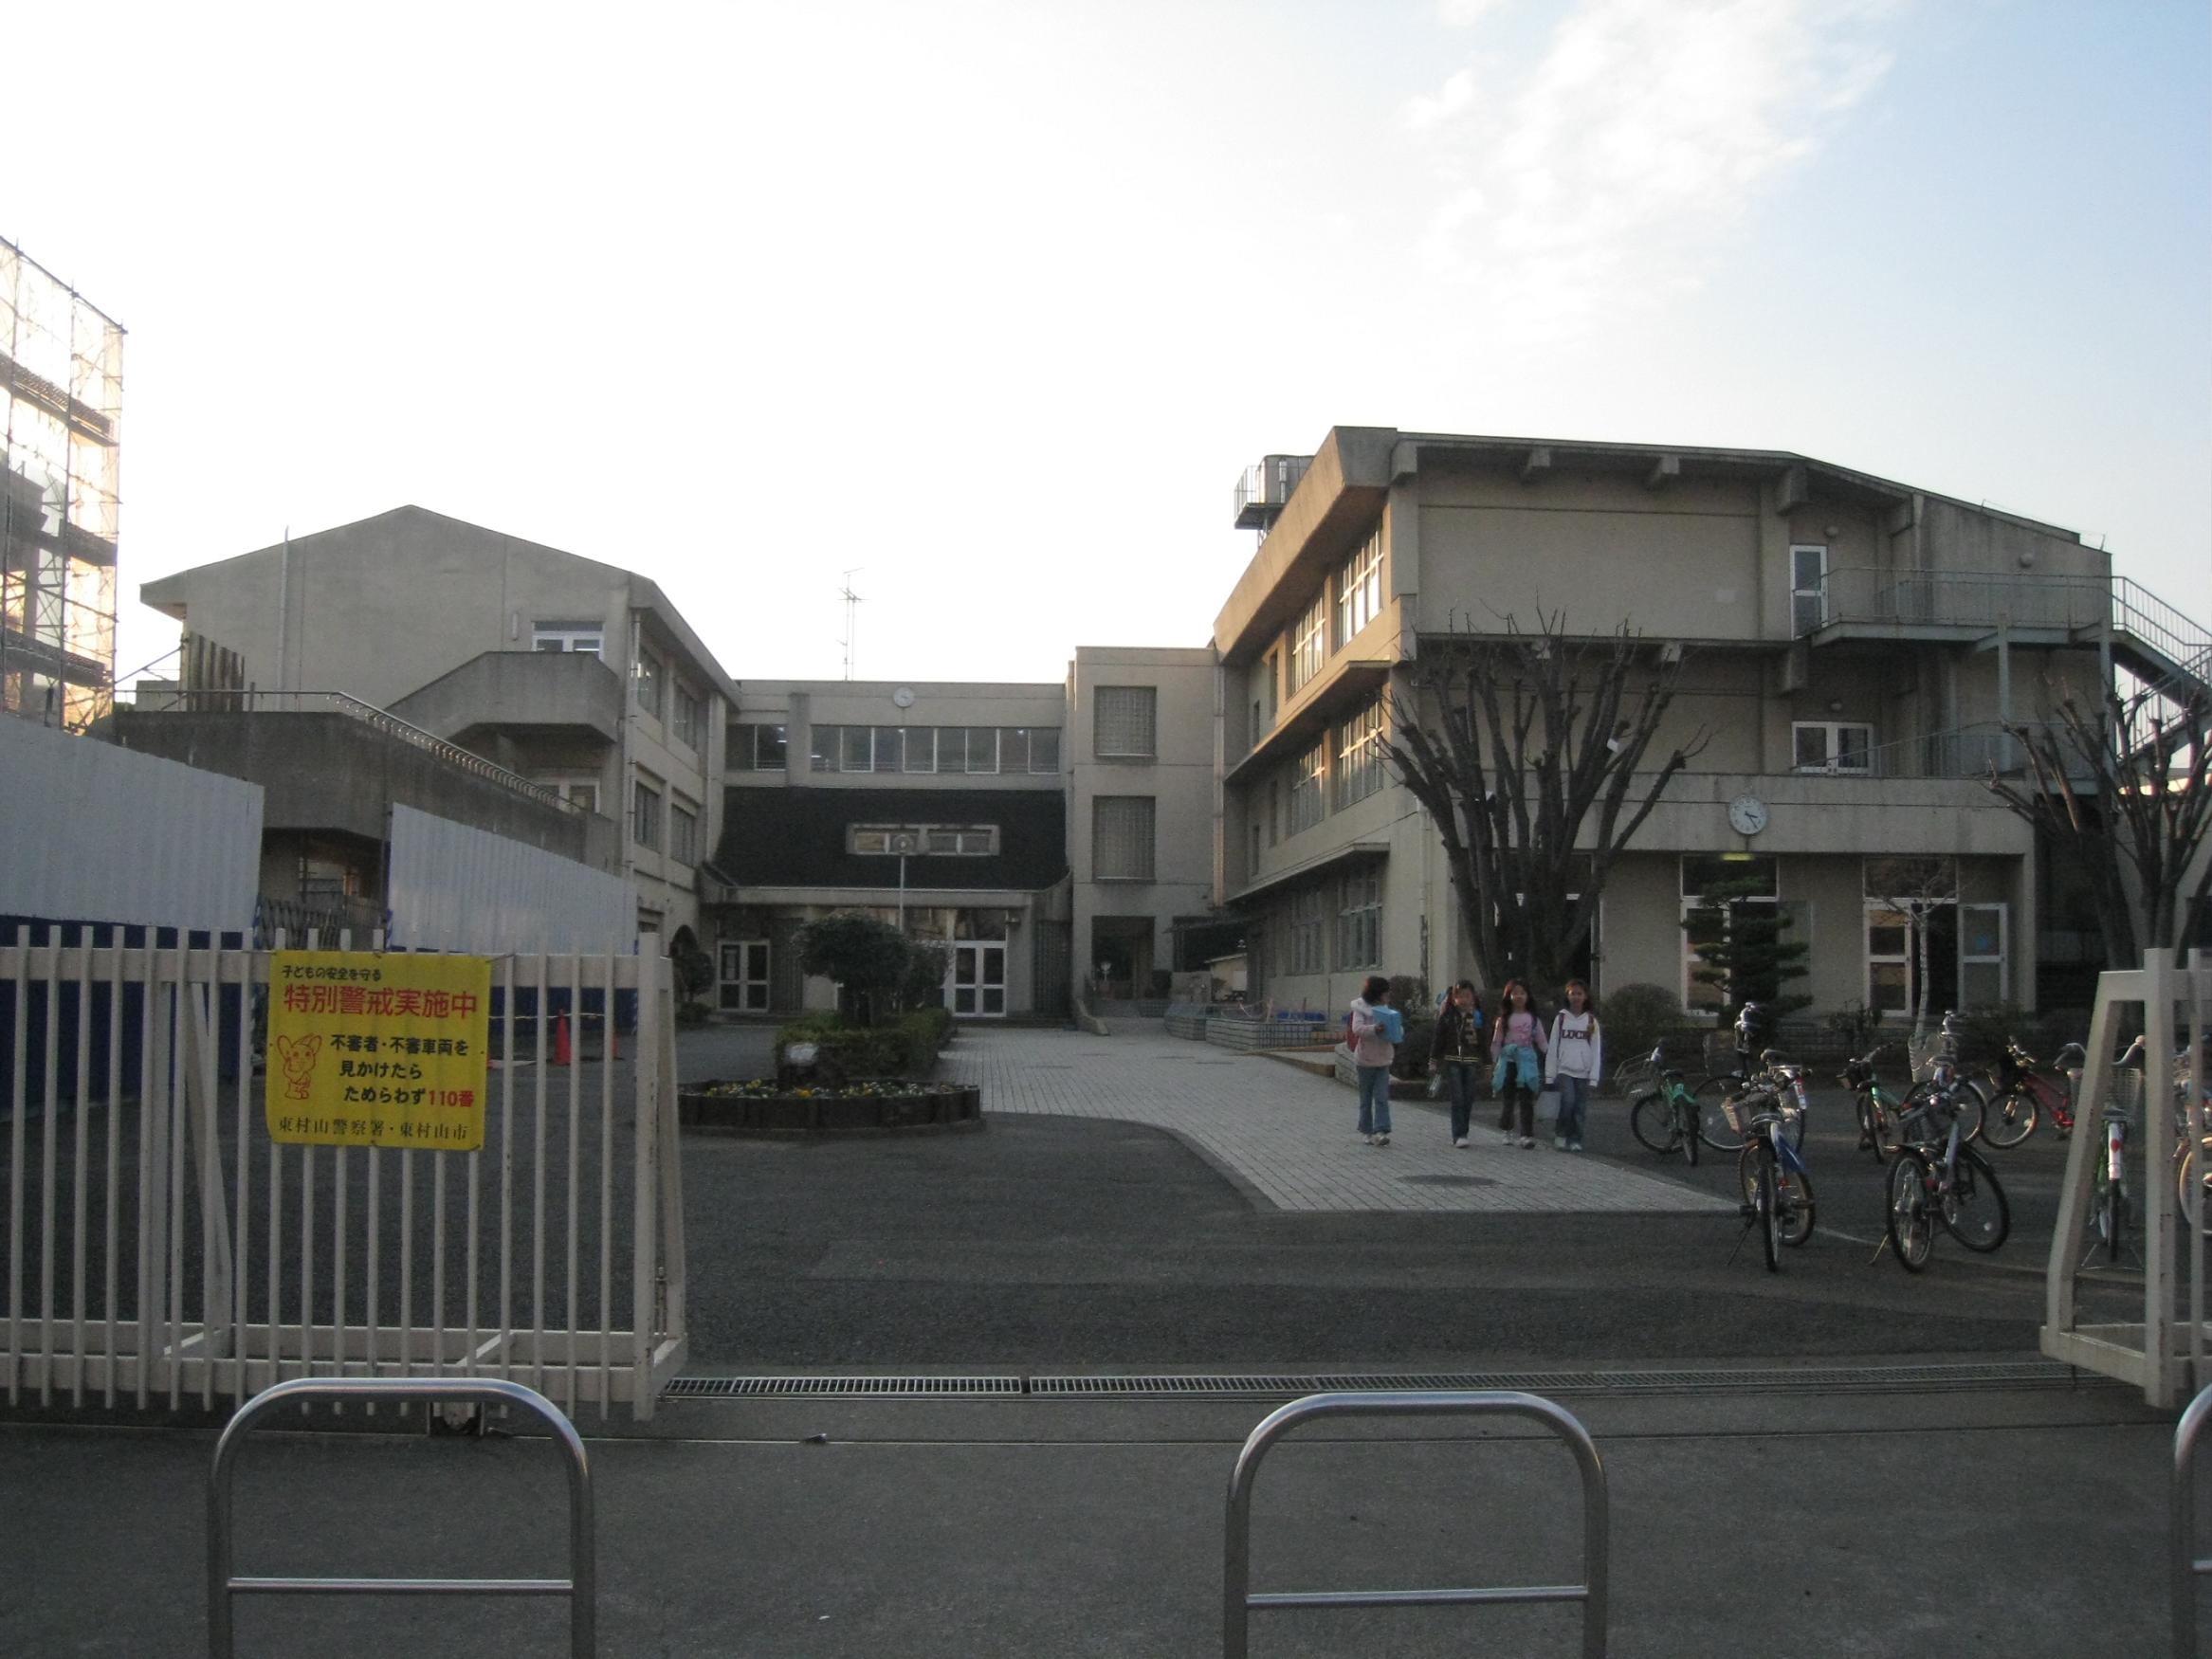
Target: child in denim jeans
<point>1574,1059</point>
<point>1517,1044</point>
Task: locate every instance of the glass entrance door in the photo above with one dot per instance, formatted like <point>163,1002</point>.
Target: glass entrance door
<point>744,976</point>
<point>977,985</point>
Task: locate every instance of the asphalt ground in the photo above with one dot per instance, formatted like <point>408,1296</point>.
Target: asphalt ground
<point>1062,1244</point>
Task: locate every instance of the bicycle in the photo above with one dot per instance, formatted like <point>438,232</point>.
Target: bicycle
<point>1666,1119</point>
<point>1878,1112</point>
<point>1776,1187</point>
<point>2028,1089</point>
<point>1713,1122</point>
<point>2111,1197</point>
<point>1946,1083</point>
<point>1957,1186</point>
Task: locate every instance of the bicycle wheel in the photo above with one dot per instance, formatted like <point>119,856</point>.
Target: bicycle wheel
<point>1768,1204</point>
<point>2011,1119</point>
<point>1975,1212</point>
<point>1874,1127</point>
<point>2193,1190</point>
<point>1713,1124</point>
<point>1973,1103</point>
<point>1793,1192</point>
<point>1652,1122</point>
<point>2111,1211</point>
<point>1911,1230</point>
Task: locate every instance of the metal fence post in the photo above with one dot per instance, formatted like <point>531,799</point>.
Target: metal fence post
<point>1238,1602</point>
<point>580,1586</point>
<point>2182,1565</point>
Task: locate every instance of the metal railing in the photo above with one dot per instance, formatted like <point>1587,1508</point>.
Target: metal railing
<point>160,1247</point>
<point>580,1586</point>
<point>1955,598</point>
<point>1268,483</point>
<point>2181,640</point>
<point>383,720</point>
<point>1238,1603</point>
<point>2186,1567</point>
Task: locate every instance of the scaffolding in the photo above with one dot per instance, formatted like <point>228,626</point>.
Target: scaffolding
<point>62,374</point>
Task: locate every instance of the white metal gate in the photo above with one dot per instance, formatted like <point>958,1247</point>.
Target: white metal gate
<point>160,1249</point>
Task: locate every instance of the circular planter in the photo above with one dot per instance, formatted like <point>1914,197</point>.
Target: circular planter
<point>941,1107</point>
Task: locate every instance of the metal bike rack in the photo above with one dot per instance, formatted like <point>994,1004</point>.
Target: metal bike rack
<point>2184,1566</point>
<point>1238,1602</point>
<point>580,1586</point>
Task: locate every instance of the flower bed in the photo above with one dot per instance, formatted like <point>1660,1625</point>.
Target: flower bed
<point>758,1106</point>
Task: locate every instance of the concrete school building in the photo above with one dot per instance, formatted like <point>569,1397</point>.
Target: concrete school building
<point>1853,646</point>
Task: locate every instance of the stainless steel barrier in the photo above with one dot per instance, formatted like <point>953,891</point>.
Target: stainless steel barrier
<point>1237,1603</point>
<point>580,1586</point>
<point>2184,1566</point>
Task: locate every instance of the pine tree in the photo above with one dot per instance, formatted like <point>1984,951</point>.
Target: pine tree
<point>1743,949</point>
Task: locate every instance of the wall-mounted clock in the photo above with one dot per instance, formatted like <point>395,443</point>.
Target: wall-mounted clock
<point>1746,815</point>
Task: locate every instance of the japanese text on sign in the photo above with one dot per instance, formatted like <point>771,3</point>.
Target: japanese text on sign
<point>377,1051</point>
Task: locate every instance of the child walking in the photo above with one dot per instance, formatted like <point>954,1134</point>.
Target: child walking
<point>1376,1027</point>
<point>1455,1050</point>
<point>1574,1061</point>
<point>1517,1047</point>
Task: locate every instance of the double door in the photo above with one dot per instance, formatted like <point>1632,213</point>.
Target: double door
<point>976,983</point>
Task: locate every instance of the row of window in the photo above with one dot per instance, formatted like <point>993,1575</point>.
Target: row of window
<point>923,840</point>
<point>1357,591</point>
<point>656,691</point>
<point>1317,787</point>
<point>940,749</point>
<point>1336,925</point>
<point>647,805</point>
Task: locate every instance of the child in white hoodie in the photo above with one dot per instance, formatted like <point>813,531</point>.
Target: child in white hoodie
<point>1574,1059</point>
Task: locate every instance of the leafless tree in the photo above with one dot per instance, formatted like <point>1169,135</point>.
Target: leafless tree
<point>1521,743</point>
<point>2117,785</point>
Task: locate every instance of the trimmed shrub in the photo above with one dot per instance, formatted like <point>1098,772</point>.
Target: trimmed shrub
<point>1634,1017</point>
<point>850,1054</point>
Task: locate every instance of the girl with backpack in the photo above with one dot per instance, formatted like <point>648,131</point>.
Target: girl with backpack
<point>1375,1028</point>
<point>1575,1060</point>
<point>1517,1046</point>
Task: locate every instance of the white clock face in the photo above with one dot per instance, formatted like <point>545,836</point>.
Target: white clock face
<point>1747,814</point>
<point>902,697</point>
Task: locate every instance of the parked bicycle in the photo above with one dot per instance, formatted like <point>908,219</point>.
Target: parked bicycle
<point>1666,1117</point>
<point>1939,1178</point>
<point>2026,1089</point>
<point>1946,1082</point>
<point>2110,1205</point>
<point>1778,1203</point>
<point>1877,1111</point>
<point>1744,1072</point>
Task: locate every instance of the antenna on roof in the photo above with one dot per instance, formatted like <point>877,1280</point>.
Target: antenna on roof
<point>852,618</point>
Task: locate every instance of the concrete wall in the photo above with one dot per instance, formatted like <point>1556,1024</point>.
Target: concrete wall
<point>1179,778</point>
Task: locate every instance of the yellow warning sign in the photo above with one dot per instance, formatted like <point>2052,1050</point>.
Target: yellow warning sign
<point>377,1049</point>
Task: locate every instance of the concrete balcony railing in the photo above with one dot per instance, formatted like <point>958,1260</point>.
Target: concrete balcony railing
<point>1863,594</point>
<point>520,691</point>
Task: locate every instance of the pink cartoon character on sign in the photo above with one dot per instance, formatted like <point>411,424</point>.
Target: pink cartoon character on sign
<point>299,1059</point>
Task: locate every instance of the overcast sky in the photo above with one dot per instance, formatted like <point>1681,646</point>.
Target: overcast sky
<point>989,302</point>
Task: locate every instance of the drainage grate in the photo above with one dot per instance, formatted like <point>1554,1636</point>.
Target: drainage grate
<point>886,1387</point>
<point>1906,1379</point>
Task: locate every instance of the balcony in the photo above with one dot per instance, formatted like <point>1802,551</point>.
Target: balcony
<point>1264,490</point>
<point>1855,601</point>
<point>561,695</point>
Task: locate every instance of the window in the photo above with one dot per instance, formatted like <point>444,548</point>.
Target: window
<point>1808,589</point>
<point>1359,755</point>
<point>982,748</point>
<point>921,748</point>
<point>1308,777</point>
<point>568,636</point>
<point>645,815</point>
<point>1274,810</point>
<point>952,748</point>
<point>1125,722</point>
<point>580,792</point>
<point>1120,844</point>
<point>1833,746</point>
<point>1359,919</point>
<point>1013,748</point>
<point>923,840</point>
<point>947,749</point>
<point>1308,922</point>
<point>689,716</point>
<point>744,976</point>
<point>649,682</point>
<point>1309,643</point>
<point>857,748</point>
<point>758,748</point>
<point>1360,589</point>
<point>683,833</point>
<point>1044,749</point>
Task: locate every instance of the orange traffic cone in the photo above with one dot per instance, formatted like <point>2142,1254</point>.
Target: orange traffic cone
<point>561,1050</point>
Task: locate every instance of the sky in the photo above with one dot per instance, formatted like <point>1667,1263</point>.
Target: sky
<point>988,303</point>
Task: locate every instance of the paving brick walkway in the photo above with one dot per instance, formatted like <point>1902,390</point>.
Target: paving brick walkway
<point>1293,1134</point>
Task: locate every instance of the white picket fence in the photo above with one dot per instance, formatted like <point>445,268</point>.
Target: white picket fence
<point>161,1252</point>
